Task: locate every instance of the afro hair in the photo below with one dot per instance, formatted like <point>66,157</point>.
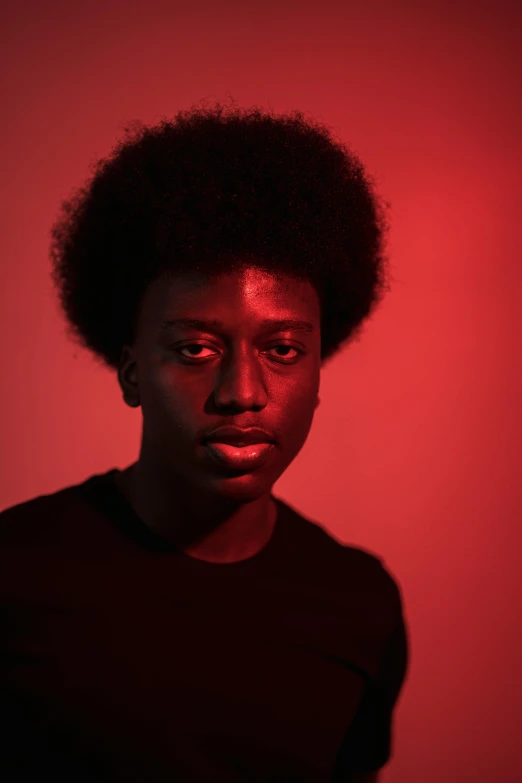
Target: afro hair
<point>211,191</point>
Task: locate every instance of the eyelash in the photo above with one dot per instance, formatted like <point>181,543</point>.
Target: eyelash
<point>197,359</point>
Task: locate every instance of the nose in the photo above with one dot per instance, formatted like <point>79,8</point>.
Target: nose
<point>241,383</point>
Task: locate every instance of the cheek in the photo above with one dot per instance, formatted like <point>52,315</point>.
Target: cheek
<point>165,405</point>
<point>175,402</point>
<point>298,411</point>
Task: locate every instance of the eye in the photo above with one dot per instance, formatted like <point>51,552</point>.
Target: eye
<point>199,345</point>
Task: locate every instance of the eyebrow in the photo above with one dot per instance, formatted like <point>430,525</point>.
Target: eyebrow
<point>281,325</point>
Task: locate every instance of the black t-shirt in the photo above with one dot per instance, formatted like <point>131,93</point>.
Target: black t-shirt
<point>122,659</point>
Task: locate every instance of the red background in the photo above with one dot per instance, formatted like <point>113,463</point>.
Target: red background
<point>415,449</point>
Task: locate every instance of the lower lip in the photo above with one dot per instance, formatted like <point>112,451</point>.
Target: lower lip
<point>239,457</point>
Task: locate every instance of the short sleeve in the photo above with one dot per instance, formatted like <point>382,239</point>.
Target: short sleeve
<point>367,745</point>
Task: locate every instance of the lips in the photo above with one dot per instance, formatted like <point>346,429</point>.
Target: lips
<point>240,449</point>
<point>235,436</point>
<point>242,458</point>
<point>235,441</point>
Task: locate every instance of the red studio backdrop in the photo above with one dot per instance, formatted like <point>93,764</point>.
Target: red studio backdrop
<point>415,450</point>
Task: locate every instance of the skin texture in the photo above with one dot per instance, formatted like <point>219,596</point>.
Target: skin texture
<point>237,378</point>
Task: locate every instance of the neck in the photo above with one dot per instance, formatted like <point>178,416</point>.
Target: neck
<point>217,532</point>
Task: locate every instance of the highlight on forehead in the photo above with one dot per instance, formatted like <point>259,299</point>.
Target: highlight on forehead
<point>213,324</point>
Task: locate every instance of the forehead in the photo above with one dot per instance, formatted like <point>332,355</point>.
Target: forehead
<point>247,293</point>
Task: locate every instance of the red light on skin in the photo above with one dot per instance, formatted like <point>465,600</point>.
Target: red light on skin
<point>239,457</point>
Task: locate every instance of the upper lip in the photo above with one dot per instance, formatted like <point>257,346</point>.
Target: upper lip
<point>238,436</point>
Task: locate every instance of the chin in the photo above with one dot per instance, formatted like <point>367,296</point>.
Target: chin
<point>244,487</point>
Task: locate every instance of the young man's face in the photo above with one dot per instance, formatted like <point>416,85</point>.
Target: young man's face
<point>241,375</point>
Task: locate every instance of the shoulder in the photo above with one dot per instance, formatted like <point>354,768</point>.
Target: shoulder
<point>344,569</point>
<point>31,521</point>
